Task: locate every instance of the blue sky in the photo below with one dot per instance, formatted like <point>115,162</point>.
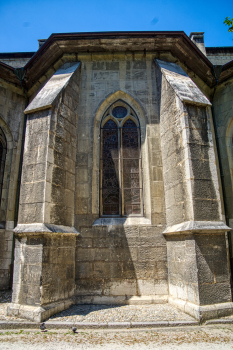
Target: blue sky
<point>23,22</point>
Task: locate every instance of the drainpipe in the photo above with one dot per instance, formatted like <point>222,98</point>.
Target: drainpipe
<point>20,74</point>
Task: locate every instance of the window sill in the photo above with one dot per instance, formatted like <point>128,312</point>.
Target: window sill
<point>130,221</point>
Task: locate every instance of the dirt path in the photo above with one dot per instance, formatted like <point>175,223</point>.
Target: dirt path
<point>192,338</point>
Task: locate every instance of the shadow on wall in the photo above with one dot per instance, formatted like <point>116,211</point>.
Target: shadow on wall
<point>206,201</point>
<point>115,263</point>
<point>213,269</point>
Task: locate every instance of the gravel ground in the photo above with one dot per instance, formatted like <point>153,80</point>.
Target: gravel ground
<point>107,313</point>
<point>126,313</point>
<point>5,296</point>
<point>192,338</point>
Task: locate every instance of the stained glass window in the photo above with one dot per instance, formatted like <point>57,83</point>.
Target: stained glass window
<point>119,112</point>
<point>110,166</point>
<point>131,166</point>
<point>121,183</point>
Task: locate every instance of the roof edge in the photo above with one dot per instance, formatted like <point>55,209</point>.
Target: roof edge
<point>97,35</point>
<point>7,66</point>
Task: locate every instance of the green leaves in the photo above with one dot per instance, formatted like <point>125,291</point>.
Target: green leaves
<point>229,22</point>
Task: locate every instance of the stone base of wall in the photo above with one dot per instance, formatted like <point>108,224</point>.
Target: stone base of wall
<point>41,313</point>
<point>38,313</point>
<point>122,300</point>
<point>121,261</point>
<point>44,271</point>
<point>203,312</point>
<point>6,243</point>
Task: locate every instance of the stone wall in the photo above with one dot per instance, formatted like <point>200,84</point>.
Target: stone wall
<point>223,115</point>
<point>48,180</point>
<point>220,58</point>
<point>190,176</point>
<point>213,269</point>
<point>44,265</point>
<point>11,122</point>
<point>114,264</point>
<point>45,272</point>
<point>176,195</point>
<point>117,262</point>
<point>198,268</point>
<point>196,240</point>
<point>104,79</point>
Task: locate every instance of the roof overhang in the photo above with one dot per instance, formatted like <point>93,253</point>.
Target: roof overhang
<point>178,43</point>
<point>7,73</point>
<point>227,72</point>
<point>175,42</point>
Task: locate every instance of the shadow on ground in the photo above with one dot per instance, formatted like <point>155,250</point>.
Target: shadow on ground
<point>83,310</point>
<point>5,296</point>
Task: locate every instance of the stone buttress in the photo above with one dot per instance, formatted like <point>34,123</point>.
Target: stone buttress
<point>44,266</point>
<point>198,268</point>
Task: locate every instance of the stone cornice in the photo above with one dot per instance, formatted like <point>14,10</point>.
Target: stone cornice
<point>7,74</point>
<point>191,227</point>
<point>227,72</point>
<point>60,44</point>
<point>43,228</point>
<point>177,43</point>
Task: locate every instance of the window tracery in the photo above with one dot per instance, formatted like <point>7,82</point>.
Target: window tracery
<point>120,180</point>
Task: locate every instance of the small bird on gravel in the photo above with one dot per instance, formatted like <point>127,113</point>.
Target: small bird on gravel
<point>74,329</point>
<point>42,327</point>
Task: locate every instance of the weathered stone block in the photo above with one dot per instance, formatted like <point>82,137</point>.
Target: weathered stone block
<point>83,270</point>
<point>157,173</point>
<point>152,253</point>
<point>82,190</point>
<point>144,270</point>
<point>89,287</point>
<point>82,175</point>
<point>44,268</point>
<point>214,293</point>
<point>70,181</point>
<point>124,287</point>
<point>85,254</point>
<point>31,213</point>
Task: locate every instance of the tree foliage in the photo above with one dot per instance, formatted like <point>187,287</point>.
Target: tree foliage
<point>229,22</point>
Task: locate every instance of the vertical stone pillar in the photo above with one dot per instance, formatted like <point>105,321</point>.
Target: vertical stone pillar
<point>198,269</point>
<point>44,266</point>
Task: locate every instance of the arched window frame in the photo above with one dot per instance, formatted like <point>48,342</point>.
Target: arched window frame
<point>3,147</point>
<point>120,122</point>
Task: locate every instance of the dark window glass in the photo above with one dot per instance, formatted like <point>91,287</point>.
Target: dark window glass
<point>131,166</point>
<point>121,183</point>
<point>110,169</point>
<point>119,112</point>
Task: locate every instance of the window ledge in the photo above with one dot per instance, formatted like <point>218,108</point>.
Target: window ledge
<point>130,221</point>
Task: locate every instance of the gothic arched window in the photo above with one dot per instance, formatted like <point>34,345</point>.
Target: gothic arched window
<point>120,180</point>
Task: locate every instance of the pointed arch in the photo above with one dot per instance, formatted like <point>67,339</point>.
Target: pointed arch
<point>142,121</point>
<point>120,156</point>
<point>128,99</point>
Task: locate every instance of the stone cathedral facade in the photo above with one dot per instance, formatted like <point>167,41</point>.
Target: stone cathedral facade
<point>116,177</point>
